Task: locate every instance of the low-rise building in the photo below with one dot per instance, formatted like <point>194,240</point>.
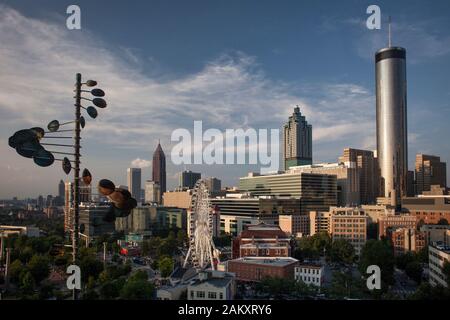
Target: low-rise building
<point>256,269</point>
<point>310,274</point>
<point>407,239</point>
<point>212,285</point>
<point>319,222</point>
<point>261,240</point>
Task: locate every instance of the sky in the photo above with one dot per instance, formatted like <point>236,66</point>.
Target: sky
<point>230,64</point>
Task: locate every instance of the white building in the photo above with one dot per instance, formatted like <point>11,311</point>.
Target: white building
<point>212,285</point>
<point>152,192</point>
<point>309,274</point>
<point>437,256</point>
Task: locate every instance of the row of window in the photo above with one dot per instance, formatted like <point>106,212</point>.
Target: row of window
<point>202,295</point>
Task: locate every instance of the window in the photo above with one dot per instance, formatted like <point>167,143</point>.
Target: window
<point>220,295</point>
<point>212,295</point>
<point>200,294</point>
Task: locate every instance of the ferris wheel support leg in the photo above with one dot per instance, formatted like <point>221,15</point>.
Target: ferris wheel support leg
<point>187,257</point>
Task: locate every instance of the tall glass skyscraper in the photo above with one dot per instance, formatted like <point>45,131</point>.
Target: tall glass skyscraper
<point>297,141</point>
<point>134,182</point>
<point>392,140</point>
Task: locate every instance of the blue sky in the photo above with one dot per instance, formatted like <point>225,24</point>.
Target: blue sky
<point>230,64</point>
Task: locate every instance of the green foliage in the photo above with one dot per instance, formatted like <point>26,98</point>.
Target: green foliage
<point>380,253</point>
<point>39,267</point>
<point>342,251</point>
<point>16,268</point>
<point>90,267</point>
<point>165,266</point>
<point>277,287</point>
<point>27,283</point>
<point>427,292</point>
<point>313,247</point>
<point>343,285</point>
<point>414,270</point>
<point>111,289</point>
<point>137,289</point>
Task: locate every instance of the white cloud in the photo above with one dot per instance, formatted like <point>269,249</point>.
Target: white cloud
<point>38,62</point>
<point>140,163</point>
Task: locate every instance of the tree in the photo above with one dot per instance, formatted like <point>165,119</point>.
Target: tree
<point>111,289</point>
<point>90,267</point>
<point>343,285</point>
<point>312,247</point>
<point>137,289</point>
<point>414,270</point>
<point>16,268</point>
<point>165,266</point>
<point>380,253</point>
<point>27,283</point>
<point>402,260</point>
<point>342,251</point>
<point>39,267</point>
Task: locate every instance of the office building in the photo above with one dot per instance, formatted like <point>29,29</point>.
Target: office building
<point>407,239</point>
<point>214,185</point>
<point>391,113</point>
<point>255,269</point>
<point>178,198</point>
<point>134,183</point>
<point>430,171</point>
<point>311,274</point>
<point>297,141</point>
<point>428,209</point>
<point>436,233</point>
<point>91,217</point>
<point>389,223</point>
<point>239,210</point>
<point>296,225</point>
<point>188,179</point>
<point>348,187</point>
<point>316,191</point>
<point>261,240</point>
<point>319,222</point>
<point>147,220</point>
<point>159,168</point>
<point>368,172</point>
<point>438,255</point>
<point>61,189</point>
<point>152,192</point>
<point>349,224</point>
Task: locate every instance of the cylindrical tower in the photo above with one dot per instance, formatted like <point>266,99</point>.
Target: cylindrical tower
<point>392,140</point>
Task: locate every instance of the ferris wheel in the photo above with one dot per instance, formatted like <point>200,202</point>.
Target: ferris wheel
<point>202,251</point>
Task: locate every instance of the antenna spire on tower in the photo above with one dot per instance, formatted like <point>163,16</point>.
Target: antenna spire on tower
<point>390,36</point>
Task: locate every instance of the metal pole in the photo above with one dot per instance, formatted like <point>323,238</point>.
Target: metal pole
<point>76,208</point>
<point>104,254</point>
<point>1,249</point>
<point>8,258</point>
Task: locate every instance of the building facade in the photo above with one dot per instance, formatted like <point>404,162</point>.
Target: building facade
<point>430,171</point>
<point>255,269</point>
<point>311,274</point>
<point>391,114</point>
<point>188,179</point>
<point>134,183</point>
<point>438,255</point>
<point>159,168</point>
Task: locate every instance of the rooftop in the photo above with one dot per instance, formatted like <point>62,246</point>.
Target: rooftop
<point>277,262</point>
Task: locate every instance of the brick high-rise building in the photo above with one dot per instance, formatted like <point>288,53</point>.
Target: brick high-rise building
<point>430,171</point>
<point>368,172</point>
<point>159,168</point>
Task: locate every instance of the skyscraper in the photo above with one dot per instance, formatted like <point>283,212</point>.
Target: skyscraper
<point>61,189</point>
<point>368,172</point>
<point>297,141</point>
<point>134,182</point>
<point>392,140</point>
<point>430,171</point>
<point>159,168</point>
<point>214,185</point>
<point>189,178</point>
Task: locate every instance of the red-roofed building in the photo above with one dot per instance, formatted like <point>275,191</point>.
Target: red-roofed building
<point>262,240</point>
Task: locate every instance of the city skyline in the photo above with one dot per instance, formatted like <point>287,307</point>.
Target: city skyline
<point>343,115</point>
